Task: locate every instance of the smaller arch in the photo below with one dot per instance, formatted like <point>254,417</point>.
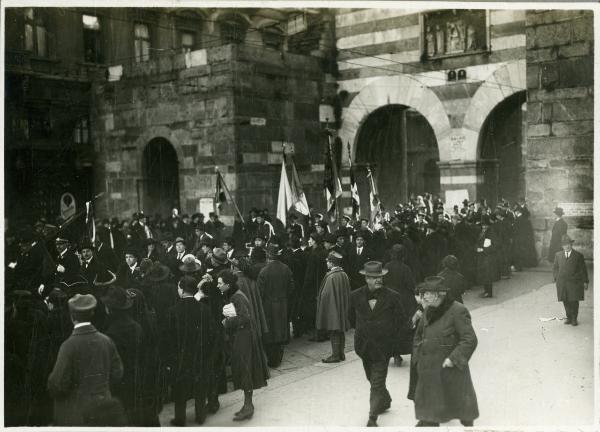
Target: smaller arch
<point>160,170</point>
<point>502,83</point>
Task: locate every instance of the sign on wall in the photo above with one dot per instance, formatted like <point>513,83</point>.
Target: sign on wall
<point>67,205</point>
<point>577,209</point>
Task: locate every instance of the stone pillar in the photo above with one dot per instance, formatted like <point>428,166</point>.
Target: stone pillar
<point>560,123</point>
<point>477,178</point>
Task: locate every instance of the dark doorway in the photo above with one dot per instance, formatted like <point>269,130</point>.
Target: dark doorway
<point>501,139</point>
<point>161,177</point>
<point>388,137</point>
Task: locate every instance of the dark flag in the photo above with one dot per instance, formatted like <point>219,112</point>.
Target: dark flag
<point>220,197</point>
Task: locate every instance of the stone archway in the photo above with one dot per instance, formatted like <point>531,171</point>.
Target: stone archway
<point>395,90</point>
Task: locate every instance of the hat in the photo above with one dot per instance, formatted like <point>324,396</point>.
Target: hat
<point>190,264</point>
<point>116,298</point>
<point>219,256</point>
<point>346,217</point>
<point>158,272</point>
<point>238,253</point>
<point>273,251</point>
<point>450,262</point>
<point>558,211</point>
<point>293,217</point>
<point>341,233</point>
<point>362,234</point>
<point>331,238</point>
<point>166,236</point>
<point>131,251</point>
<point>200,226</point>
<point>82,303</point>
<point>179,240</point>
<point>259,236</point>
<point>318,238</point>
<point>188,284</point>
<point>61,240</point>
<point>373,268</point>
<point>566,240</point>
<point>322,224</point>
<point>334,258</point>
<point>433,284</point>
<point>319,215</point>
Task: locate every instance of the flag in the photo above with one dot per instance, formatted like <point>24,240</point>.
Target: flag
<point>298,196</point>
<point>333,185</point>
<point>353,189</point>
<point>220,196</point>
<point>90,223</point>
<point>373,194</point>
<point>284,200</point>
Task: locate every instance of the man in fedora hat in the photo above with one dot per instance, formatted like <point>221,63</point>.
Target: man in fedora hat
<point>444,342</point>
<point>275,283</point>
<point>87,363</point>
<point>377,316</point>
<point>332,307</point>
<point>571,277</point>
<point>127,336</point>
<point>559,229</point>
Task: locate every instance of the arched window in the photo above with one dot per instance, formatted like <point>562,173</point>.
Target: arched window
<point>233,29</point>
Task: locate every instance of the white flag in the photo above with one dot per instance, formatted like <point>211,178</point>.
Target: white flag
<point>284,200</point>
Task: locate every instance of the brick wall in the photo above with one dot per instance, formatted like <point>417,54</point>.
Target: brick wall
<point>560,120</point>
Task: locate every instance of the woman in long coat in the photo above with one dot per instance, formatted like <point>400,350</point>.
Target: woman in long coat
<point>400,278</point>
<point>524,254</point>
<point>443,345</point>
<point>248,363</point>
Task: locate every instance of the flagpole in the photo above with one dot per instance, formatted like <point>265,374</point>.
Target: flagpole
<point>220,178</point>
<point>333,170</point>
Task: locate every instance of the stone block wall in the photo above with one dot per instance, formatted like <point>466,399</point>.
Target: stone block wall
<point>560,123</point>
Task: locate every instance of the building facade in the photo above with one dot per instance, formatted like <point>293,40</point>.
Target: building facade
<point>466,104</point>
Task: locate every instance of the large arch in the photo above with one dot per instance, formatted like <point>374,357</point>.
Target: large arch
<point>502,83</point>
<point>395,90</point>
<point>160,171</point>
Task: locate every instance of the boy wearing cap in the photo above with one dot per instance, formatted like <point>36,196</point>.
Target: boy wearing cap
<point>87,363</point>
<point>443,345</point>
<point>377,315</point>
<point>571,277</point>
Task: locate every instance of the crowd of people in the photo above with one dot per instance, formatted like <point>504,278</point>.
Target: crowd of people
<point>105,330</point>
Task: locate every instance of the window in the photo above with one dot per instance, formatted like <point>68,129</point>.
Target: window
<point>187,42</point>
<point>142,42</point>
<point>91,39</point>
<point>81,133</point>
<point>35,33</point>
<point>233,30</point>
<point>273,38</point>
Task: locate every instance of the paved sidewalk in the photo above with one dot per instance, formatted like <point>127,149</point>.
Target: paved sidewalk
<point>526,371</point>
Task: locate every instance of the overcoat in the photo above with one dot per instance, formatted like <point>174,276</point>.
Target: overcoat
<point>87,362</point>
<point>442,394</point>
<point>249,368</point>
<point>377,329</point>
<point>433,250</point>
<point>401,280</point>
<point>332,302</point>
<point>486,260</point>
<point>248,287</point>
<point>275,283</point>
<point>570,275</point>
<point>523,247</point>
<point>356,263</point>
<point>559,229</point>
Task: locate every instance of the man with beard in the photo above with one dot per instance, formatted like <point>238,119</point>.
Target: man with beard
<point>443,345</point>
<point>332,307</point>
<point>377,316</point>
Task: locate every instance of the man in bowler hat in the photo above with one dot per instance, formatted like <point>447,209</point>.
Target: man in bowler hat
<point>559,229</point>
<point>570,275</point>
<point>377,316</point>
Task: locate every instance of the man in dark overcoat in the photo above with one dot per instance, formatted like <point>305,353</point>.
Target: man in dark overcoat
<point>275,283</point>
<point>128,338</point>
<point>456,283</point>
<point>559,229</point>
<point>571,277</point>
<point>87,363</point>
<point>67,263</point>
<point>400,278</point>
<point>189,339</point>
<point>485,247</point>
<point>332,307</point>
<point>358,255</point>
<point>524,254</point>
<point>443,345</point>
<point>433,249</point>
<point>295,258</point>
<point>316,268</point>
<point>377,316</point>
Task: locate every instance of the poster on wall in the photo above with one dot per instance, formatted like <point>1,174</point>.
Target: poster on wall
<point>456,197</point>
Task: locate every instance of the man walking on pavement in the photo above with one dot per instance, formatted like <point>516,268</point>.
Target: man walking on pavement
<point>332,307</point>
<point>559,229</point>
<point>570,275</point>
<point>377,316</point>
